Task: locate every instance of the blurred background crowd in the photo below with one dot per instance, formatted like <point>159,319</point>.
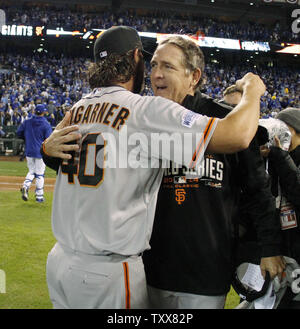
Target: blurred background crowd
<point>150,21</point>
<point>58,80</point>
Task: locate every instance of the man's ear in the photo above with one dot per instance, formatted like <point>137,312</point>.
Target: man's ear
<point>136,55</point>
<point>196,76</point>
<point>292,130</point>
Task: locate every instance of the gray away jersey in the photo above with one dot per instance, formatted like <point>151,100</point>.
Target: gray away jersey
<point>105,198</point>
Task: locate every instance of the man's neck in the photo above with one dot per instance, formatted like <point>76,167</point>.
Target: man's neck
<point>127,85</point>
<point>190,93</point>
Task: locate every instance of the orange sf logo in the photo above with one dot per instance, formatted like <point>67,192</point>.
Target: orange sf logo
<point>39,30</point>
<point>180,195</point>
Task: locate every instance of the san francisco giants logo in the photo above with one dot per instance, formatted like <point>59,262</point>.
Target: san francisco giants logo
<point>39,30</point>
<point>180,195</point>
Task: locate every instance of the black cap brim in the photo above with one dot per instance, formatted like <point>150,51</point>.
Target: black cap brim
<point>147,55</point>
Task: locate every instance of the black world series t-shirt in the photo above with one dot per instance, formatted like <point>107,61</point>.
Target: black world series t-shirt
<point>191,241</point>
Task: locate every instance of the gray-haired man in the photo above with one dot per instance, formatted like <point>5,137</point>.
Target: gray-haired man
<point>190,262</point>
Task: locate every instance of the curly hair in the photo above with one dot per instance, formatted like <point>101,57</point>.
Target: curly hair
<point>111,70</point>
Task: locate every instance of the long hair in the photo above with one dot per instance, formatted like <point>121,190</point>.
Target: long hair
<point>111,70</point>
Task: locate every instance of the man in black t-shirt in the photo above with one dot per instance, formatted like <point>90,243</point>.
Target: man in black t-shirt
<point>191,258</point>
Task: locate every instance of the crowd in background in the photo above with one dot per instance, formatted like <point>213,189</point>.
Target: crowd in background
<point>57,83</point>
<point>152,21</point>
<point>60,82</point>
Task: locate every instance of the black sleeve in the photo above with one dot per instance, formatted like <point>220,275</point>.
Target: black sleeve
<point>257,202</point>
<point>288,173</point>
<point>51,162</point>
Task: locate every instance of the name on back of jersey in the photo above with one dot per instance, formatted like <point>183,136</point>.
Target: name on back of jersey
<point>109,114</point>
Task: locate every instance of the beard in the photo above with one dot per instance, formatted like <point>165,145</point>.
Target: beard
<point>139,78</point>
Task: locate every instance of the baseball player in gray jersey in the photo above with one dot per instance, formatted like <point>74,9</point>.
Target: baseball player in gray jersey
<point>105,195</point>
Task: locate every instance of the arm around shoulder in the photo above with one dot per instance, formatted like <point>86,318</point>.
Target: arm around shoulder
<point>49,161</point>
<point>235,132</point>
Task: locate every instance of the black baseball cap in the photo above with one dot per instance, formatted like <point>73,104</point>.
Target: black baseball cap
<point>117,40</point>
